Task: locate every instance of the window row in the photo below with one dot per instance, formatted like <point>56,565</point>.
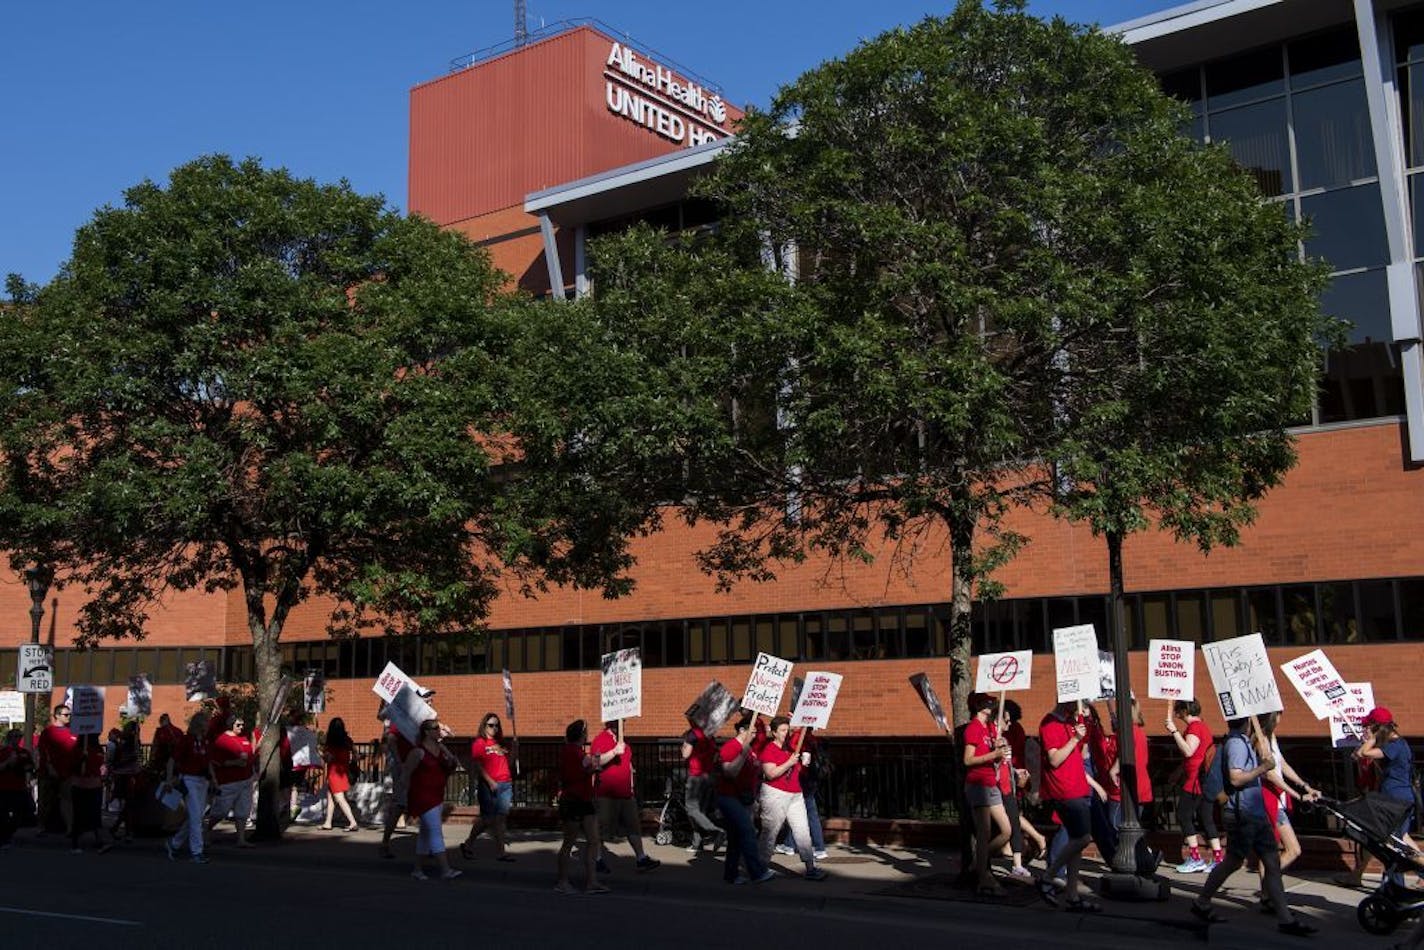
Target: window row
<point>1333,612</point>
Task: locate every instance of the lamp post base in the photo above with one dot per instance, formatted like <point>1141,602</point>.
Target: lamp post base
<point>1130,887</point>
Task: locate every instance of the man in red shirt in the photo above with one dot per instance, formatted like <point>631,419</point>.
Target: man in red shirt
<point>232,759</point>
<point>16,764</point>
<point>165,739</point>
<point>1065,786</point>
<point>613,798</point>
<point>699,751</point>
<point>56,760</point>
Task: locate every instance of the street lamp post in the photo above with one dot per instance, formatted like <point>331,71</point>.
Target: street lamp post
<point>37,579</point>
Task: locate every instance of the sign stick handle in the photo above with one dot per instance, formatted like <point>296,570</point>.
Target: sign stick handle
<point>800,738</point>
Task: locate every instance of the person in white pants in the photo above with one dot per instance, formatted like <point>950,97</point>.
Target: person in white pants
<point>189,772</point>
<point>781,799</point>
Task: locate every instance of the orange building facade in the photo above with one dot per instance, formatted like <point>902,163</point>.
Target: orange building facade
<point>532,151</point>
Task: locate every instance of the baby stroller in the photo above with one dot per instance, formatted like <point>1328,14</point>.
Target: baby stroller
<point>1371,821</point>
<point>673,823</point>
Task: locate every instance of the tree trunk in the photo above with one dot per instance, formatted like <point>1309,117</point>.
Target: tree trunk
<point>268,661</point>
<point>961,607</point>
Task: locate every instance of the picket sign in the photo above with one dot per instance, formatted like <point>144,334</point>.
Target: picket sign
<point>140,697</point>
<point>712,709</point>
<point>1107,675</point>
<point>1345,729</point>
<point>393,685</point>
<point>1171,669</point>
<point>817,700</point>
<point>1242,677</point>
<point>200,681</point>
<point>767,684</point>
<point>622,685</point>
<point>1318,682</point>
<point>1075,662</point>
<point>86,709</point>
<point>922,686</point>
<point>999,672</point>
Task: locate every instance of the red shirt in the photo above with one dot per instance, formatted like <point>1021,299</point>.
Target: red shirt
<point>191,756</point>
<point>979,740</point>
<point>1018,743</point>
<point>1139,749</point>
<point>87,760</point>
<point>744,782</point>
<point>427,784</point>
<point>703,760</point>
<point>575,781</point>
<point>1102,750</point>
<point>1191,780</point>
<point>15,779</point>
<point>616,779</point>
<point>789,781</point>
<point>226,748</point>
<point>403,745</point>
<point>1069,780</point>
<point>56,748</point>
<point>492,757</point>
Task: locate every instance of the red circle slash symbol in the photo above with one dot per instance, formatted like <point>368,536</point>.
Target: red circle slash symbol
<point>1004,670</point>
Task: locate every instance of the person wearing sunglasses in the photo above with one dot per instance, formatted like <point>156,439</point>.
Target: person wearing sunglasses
<point>56,759</point>
<point>424,773</point>
<point>494,786</point>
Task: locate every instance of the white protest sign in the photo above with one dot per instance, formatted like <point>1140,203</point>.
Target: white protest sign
<point>35,673</point>
<point>390,681</point>
<point>1001,671</point>
<point>1075,662</point>
<point>1345,728</point>
<point>140,700</point>
<point>1107,675</point>
<point>767,684</point>
<point>1318,682</point>
<point>622,684</point>
<point>314,691</point>
<point>508,695</point>
<point>1171,669</point>
<point>200,681</point>
<point>12,706</point>
<point>818,698</point>
<point>712,708</point>
<point>1241,676</point>
<point>407,711</point>
<point>86,709</point>
<point>921,682</point>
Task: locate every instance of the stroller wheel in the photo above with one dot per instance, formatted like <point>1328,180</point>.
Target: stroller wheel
<point>664,836</point>
<point>1378,915</point>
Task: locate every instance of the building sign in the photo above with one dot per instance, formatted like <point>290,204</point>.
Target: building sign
<point>660,100</point>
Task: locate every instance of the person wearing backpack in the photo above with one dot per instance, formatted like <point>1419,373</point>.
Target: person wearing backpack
<point>1236,774</point>
<point>1193,808</point>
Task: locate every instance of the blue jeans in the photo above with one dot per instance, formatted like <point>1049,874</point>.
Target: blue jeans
<point>813,819</point>
<point>741,839</point>
<point>495,801</point>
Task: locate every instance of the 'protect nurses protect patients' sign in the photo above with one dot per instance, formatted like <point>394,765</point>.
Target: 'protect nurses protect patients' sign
<point>818,698</point>
<point>767,684</point>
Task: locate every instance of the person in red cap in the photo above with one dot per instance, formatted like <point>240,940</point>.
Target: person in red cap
<point>1389,751</point>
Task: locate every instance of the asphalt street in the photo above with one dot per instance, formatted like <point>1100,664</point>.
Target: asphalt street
<point>333,890</point>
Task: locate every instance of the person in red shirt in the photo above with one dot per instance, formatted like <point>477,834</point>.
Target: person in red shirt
<point>1146,859</point>
<point>396,749</point>
<point>55,749</point>
<point>738,777</point>
<point>189,772</point>
<point>233,763</point>
<point>781,799</point>
<point>86,790</point>
<point>985,752</point>
<point>494,786</point>
<point>1015,776</point>
<point>1065,786</point>
<point>336,753</point>
<point>426,770</point>
<point>577,766</point>
<point>16,766</point>
<point>165,742</point>
<point>1192,809</point>
<point>613,799</point>
<point>699,751</point>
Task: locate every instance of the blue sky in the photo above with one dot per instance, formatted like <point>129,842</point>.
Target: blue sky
<point>100,95</point>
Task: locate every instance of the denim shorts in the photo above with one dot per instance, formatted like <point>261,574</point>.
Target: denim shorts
<point>495,801</point>
<point>983,796</point>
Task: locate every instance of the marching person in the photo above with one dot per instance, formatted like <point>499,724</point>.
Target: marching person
<point>781,798</point>
<point>123,771</point>
<point>614,800</point>
<point>396,749</point>
<point>424,773</point>
<point>165,743</point>
<point>494,785</point>
<point>232,761</point>
<point>56,763</point>
<point>336,753</point>
<point>188,772</point>
<point>1145,857</point>
<point>1018,774</point>
<point>86,791</point>
<point>16,767</point>
<point>577,766</point>
<point>1390,753</point>
<point>738,779</point>
<point>984,754</point>
<point>1193,810</point>
<point>1249,830</point>
<point>1277,792</point>
<point>699,751</point>
<point>1066,787</point>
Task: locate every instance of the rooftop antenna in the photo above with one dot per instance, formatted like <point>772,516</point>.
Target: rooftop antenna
<point>521,24</point>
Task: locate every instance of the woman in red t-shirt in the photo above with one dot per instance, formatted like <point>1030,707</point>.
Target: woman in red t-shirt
<point>1063,734</point>
<point>738,779</point>
<point>336,753</point>
<point>494,786</point>
<point>423,775</point>
<point>984,754</point>
<point>781,798</point>
<point>576,812</point>
<point>188,772</point>
<point>86,793</point>
<point>1192,808</point>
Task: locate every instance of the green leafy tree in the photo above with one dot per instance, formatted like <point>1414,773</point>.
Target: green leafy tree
<point>247,381</point>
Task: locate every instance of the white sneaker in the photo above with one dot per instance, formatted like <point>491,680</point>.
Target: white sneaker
<point>420,875</point>
<point>785,849</point>
<point>820,855</point>
<point>451,873</point>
